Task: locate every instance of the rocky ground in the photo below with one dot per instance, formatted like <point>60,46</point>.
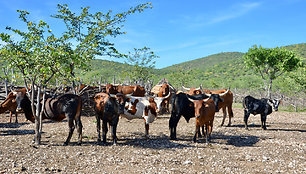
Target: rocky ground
<point>280,149</point>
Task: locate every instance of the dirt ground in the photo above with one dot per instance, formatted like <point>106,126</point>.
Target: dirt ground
<point>280,149</point>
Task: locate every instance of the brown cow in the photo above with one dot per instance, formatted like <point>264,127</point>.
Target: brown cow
<point>164,90</point>
<point>108,110</point>
<point>64,106</point>
<point>134,90</point>
<point>227,103</point>
<point>9,104</point>
<point>204,111</point>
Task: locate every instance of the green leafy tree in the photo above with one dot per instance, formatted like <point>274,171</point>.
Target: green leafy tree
<point>89,32</point>
<point>143,61</point>
<point>40,56</point>
<point>271,63</point>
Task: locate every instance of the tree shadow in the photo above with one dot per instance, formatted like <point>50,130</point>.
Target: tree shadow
<point>287,130</point>
<point>235,140</point>
<point>250,125</point>
<point>12,125</point>
<point>17,132</point>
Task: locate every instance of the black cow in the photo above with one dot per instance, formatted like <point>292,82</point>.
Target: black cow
<point>181,106</point>
<point>108,110</point>
<point>64,106</point>
<point>255,106</point>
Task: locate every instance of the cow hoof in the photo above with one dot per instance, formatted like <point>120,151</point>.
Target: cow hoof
<point>65,144</point>
<point>79,143</point>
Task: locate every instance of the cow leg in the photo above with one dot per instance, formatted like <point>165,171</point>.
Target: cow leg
<point>263,121</point>
<point>98,128</point>
<point>114,130</point>
<point>230,114</point>
<point>172,125</point>
<point>104,130</point>
<point>71,129</point>
<point>199,133</point>
<point>246,116</point>
<point>10,119</point>
<point>210,128</point>
<point>16,115</point>
<point>207,127</point>
<point>147,130</point>
<point>224,115</point>
<point>79,125</point>
<point>195,133</point>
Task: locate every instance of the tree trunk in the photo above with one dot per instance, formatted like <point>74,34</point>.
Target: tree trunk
<point>37,117</point>
<point>269,89</point>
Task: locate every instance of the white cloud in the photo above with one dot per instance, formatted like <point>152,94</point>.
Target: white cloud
<point>220,15</point>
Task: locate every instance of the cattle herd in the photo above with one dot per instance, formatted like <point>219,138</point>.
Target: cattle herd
<point>132,101</point>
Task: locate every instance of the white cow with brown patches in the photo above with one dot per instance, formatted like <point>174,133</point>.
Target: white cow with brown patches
<point>143,108</point>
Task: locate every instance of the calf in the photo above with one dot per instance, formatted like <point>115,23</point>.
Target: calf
<point>254,106</point>
<point>108,110</point>
<point>9,104</point>
<point>144,108</point>
<point>64,106</point>
<point>205,112</point>
<point>226,104</point>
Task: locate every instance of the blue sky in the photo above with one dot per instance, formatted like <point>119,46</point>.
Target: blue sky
<point>180,30</point>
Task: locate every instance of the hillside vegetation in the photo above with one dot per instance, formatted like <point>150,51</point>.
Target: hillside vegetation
<point>213,72</point>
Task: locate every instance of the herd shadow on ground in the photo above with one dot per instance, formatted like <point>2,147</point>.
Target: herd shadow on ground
<point>161,142</point>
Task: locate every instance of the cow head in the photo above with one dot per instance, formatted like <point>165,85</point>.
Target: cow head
<point>23,103</point>
<point>20,96</point>
<point>160,102</point>
<point>164,90</point>
<point>101,99</point>
<point>275,103</point>
<point>193,91</point>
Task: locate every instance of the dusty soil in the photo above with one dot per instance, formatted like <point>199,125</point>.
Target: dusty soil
<point>280,149</point>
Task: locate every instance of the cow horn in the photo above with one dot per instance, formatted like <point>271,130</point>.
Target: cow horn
<point>165,96</point>
<point>205,100</point>
<point>190,99</point>
<point>186,88</point>
<point>171,87</point>
<point>205,93</point>
<point>112,95</point>
<point>224,93</point>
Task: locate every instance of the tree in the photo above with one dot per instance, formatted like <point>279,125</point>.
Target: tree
<point>271,63</point>
<point>41,56</point>
<point>90,32</point>
<point>143,61</point>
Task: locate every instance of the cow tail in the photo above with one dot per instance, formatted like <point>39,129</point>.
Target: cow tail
<point>243,104</point>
